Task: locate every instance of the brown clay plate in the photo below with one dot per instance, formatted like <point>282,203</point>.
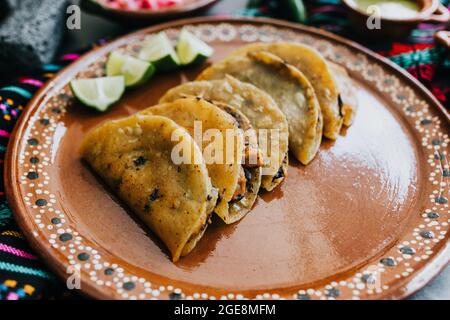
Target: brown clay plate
<point>368,218</point>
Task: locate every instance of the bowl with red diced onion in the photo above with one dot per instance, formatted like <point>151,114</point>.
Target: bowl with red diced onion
<point>143,11</point>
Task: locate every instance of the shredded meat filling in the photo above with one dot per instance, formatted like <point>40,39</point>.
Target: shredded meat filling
<point>241,186</point>
<point>252,159</point>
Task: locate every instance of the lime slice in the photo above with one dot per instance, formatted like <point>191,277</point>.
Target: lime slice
<point>159,51</point>
<point>134,70</point>
<point>192,50</point>
<point>98,93</point>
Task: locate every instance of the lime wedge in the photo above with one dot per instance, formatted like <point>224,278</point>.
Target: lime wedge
<point>135,71</point>
<point>159,51</point>
<point>192,50</point>
<point>98,93</point>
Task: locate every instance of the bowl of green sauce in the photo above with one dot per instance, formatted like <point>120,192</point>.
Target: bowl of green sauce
<point>393,18</point>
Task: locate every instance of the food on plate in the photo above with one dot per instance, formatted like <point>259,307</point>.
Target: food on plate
<point>224,146</point>
<point>159,51</point>
<point>189,50</point>
<point>197,152</point>
<point>259,108</point>
<point>192,50</point>
<point>250,174</point>
<point>290,89</point>
<point>348,99</point>
<point>315,68</point>
<point>98,93</point>
<point>135,71</point>
<point>133,156</point>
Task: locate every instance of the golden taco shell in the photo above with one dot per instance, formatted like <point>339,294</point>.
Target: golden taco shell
<point>133,156</point>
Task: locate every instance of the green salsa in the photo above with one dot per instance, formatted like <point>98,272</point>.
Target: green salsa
<point>391,9</point>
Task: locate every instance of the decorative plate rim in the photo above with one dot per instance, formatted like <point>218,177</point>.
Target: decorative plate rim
<point>401,289</point>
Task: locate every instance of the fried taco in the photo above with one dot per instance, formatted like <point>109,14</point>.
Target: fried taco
<point>348,100</point>
<point>290,89</point>
<point>224,148</point>
<point>262,111</point>
<point>133,156</point>
<point>311,63</point>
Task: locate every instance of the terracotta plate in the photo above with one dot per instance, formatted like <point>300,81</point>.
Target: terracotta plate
<point>369,218</point>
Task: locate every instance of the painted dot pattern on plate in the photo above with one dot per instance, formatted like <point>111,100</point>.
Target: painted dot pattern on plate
<point>371,281</point>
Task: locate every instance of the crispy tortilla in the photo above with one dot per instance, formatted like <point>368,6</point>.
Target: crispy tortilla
<point>225,175</point>
<point>251,169</point>
<point>348,99</point>
<point>258,107</point>
<point>311,63</point>
<point>133,156</point>
<point>289,88</point>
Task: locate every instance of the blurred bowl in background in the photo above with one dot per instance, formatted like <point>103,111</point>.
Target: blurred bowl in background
<point>394,23</point>
<point>139,17</point>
